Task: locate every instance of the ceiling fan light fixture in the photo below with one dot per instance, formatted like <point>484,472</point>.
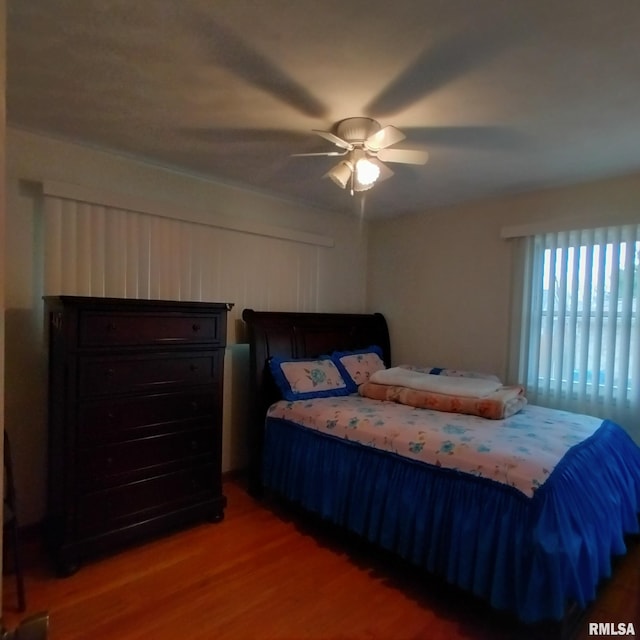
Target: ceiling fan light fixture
<point>360,187</point>
<point>365,146</point>
<point>366,172</point>
<point>341,174</point>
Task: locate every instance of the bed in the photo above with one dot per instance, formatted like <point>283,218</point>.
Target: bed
<point>533,538</point>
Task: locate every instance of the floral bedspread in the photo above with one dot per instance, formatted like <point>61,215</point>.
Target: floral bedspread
<point>520,451</point>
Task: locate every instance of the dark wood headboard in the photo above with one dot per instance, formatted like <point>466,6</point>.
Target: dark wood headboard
<point>298,335</point>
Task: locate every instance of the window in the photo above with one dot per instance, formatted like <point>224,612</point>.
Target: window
<point>580,335</point>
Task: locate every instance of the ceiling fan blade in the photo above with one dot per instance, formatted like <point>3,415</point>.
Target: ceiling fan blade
<point>339,142</point>
<point>407,156</point>
<point>383,138</point>
<point>322,153</point>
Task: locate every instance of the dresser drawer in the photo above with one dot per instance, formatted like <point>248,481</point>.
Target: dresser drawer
<point>125,462</point>
<point>122,418</point>
<point>113,328</point>
<point>99,376</point>
<point>129,504</point>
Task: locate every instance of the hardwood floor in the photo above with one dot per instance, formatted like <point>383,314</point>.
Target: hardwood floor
<point>265,574</point>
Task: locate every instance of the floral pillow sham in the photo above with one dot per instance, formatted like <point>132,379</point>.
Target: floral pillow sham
<point>302,379</point>
<point>359,365</point>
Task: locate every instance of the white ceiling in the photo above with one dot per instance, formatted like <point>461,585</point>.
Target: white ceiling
<point>506,95</point>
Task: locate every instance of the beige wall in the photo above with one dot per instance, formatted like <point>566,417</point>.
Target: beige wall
<point>341,278</point>
<point>443,279</point>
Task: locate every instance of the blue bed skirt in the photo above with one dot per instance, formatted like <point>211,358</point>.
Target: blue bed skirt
<point>527,556</point>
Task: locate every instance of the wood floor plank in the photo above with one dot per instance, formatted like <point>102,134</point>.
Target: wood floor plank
<point>265,574</point>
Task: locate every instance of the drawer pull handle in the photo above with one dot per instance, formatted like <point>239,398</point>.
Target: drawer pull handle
<point>109,373</point>
<point>193,367</point>
<point>195,326</point>
<point>111,327</point>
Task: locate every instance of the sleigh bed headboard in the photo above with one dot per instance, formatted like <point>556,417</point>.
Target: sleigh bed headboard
<point>298,335</point>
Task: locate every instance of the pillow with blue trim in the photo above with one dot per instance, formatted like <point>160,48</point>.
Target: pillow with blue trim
<point>357,366</point>
<point>302,379</point>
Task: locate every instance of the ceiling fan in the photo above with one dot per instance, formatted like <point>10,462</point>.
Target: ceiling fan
<point>365,146</point>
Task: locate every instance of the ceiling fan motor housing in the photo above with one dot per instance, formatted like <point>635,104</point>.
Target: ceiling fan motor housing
<point>357,130</point>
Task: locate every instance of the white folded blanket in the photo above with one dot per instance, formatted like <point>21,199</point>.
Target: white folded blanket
<point>470,387</point>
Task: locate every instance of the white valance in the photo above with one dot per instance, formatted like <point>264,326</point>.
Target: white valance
<point>555,225</point>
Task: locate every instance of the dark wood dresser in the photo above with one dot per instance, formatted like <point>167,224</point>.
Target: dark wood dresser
<point>135,421</point>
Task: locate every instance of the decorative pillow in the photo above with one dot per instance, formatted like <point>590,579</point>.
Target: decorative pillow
<point>357,366</point>
<point>301,379</point>
<point>458,373</point>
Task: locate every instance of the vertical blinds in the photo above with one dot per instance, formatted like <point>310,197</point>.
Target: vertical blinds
<point>97,250</point>
<point>580,339</point>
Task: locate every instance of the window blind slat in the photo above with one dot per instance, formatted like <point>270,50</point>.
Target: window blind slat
<point>559,320</point>
<point>547,340</point>
<point>585,321</point>
<point>571,365</point>
<point>610,321</point>
<point>536,321</point>
<point>598,321</point>
<point>626,284</point>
